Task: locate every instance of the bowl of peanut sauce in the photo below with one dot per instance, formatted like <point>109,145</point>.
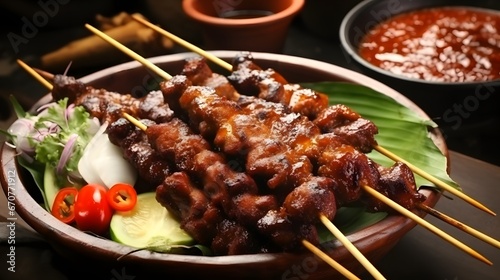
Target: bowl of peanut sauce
<point>443,55</point>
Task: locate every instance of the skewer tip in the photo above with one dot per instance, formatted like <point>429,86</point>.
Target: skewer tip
<point>351,248</point>
<point>35,74</point>
<point>486,238</point>
<point>434,180</point>
<point>326,258</point>
<point>407,213</point>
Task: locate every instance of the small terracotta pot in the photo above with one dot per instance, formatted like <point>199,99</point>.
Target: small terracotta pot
<point>250,25</point>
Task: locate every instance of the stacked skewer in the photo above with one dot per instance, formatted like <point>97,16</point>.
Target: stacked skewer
<point>367,189</point>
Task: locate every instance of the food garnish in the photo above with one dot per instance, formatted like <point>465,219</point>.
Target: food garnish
<point>64,205</point>
<point>122,197</point>
<point>147,225</point>
<point>92,210</point>
<point>52,141</point>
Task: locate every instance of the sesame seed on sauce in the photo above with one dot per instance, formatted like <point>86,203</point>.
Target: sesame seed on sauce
<point>446,44</point>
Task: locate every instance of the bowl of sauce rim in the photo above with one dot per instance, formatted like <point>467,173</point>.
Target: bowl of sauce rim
<point>466,107</point>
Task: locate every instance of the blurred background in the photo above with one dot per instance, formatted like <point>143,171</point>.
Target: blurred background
<point>42,33</point>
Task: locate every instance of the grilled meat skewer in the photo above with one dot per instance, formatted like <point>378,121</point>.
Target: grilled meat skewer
<point>193,180</point>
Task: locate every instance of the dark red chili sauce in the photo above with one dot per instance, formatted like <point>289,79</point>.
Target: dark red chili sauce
<point>447,44</point>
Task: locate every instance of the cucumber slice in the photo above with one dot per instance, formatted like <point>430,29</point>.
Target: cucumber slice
<point>50,187</point>
<point>149,224</point>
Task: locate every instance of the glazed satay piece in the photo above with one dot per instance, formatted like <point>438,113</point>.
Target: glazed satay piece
<point>136,149</point>
<point>35,74</point>
<point>285,134</point>
<point>275,225</point>
<point>200,74</point>
<point>248,72</point>
<point>339,119</point>
<point>249,79</point>
<point>234,194</point>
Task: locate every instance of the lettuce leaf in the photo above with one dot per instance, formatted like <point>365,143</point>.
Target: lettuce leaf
<point>50,149</point>
<point>37,172</point>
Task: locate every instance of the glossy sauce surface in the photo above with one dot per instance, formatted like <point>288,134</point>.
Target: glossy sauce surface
<point>446,44</point>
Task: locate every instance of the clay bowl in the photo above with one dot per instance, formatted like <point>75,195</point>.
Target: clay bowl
<point>459,108</point>
<point>253,25</point>
<point>74,245</point>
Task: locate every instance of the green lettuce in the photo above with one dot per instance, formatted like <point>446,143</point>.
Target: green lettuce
<point>69,124</point>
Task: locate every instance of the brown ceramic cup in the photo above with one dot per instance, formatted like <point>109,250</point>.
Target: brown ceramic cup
<point>251,25</point>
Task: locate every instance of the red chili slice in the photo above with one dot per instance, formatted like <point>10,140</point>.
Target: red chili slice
<point>63,207</point>
<point>122,197</point>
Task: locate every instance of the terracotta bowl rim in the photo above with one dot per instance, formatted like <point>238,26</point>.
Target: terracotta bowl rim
<point>62,234</point>
<point>289,12</point>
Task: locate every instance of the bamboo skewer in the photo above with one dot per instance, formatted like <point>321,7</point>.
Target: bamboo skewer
<point>425,224</point>
<point>35,74</point>
<point>131,53</point>
<point>44,74</point>
<point>183,42</point>
<point>328,260</point>
<point>380,149</point>
<point>135,122</point>
<point>460,225</point>
<point>186,44</point>
<point>434,180</point>
<point>351,248</point>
